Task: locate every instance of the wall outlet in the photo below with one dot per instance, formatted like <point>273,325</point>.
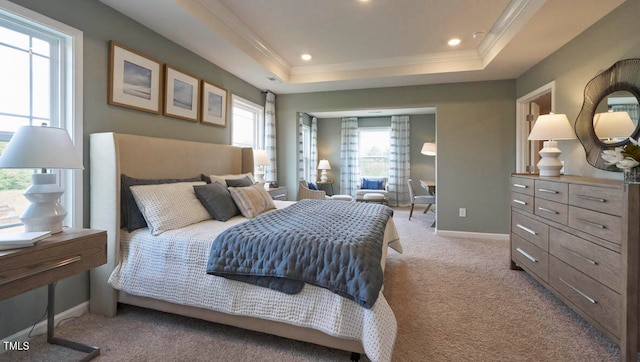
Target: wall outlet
<point>462,212</point>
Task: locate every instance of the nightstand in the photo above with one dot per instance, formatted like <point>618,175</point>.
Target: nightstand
<point>327,187</point>
<point>59,256</point>
<point>278,193</point>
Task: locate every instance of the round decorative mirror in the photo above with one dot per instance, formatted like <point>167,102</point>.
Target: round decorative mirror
<point>609,114</point>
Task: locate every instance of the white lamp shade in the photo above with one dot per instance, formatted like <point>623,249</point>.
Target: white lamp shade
<point>324,165</point>
<point>429,149</point>
<point>552,127</point>
<point>40,147</point>
<point>260,158</point>
<point>613,125</point>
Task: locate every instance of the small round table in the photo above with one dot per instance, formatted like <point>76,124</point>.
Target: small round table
<point>374,197</point>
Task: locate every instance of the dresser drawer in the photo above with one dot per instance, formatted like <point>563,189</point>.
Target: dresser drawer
<point>593,298</point>
<point>602,199</point>
<point>522,202</point>
<point>522,185</point>
<point>550,190</point>
<point>531,230</point>
<point>551,210</point>
<point>593,260</point>
<point>530,257</point>
<point>608,227</point>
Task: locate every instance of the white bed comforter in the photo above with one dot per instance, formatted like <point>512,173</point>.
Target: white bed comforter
<point>171,267</point>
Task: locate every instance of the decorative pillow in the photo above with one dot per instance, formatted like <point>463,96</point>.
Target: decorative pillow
<point>223,178</point>
<point>312,186</point>
<point>131,218</point>
<point>252,201</point>
<point>217,200</point>
<point>372,184</point>
<point>169,206</point>
<point>239,182</point>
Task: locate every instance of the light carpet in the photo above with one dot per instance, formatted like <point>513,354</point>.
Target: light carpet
<point>455,299</point>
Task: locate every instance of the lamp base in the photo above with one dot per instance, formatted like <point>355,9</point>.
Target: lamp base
<point>44,213</point>
<point>259,175</point>
<point>549,164</point>
<point>323,176</point>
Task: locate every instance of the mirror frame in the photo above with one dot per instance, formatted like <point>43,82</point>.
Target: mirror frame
<point>624,75</point>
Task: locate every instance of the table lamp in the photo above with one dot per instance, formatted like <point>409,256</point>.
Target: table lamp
<point>551,127</point>
<point>429,149</point>
<point>613,125</point>
<point>324,166</point>
<point>260,159</point>
<point>44,148</point>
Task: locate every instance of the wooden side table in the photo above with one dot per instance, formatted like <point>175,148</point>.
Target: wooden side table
<point>327,187</point>
<point>278,193</point>
<point>59,256</point>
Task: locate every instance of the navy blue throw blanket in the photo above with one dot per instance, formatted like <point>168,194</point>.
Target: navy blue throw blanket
<point>332,244</point>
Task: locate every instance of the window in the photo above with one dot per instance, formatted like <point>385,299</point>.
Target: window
<point>247,126</point>
<point>41,84</point>
<point>373,149</point>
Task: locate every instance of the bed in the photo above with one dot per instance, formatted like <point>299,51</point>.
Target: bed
<point>314,315</point>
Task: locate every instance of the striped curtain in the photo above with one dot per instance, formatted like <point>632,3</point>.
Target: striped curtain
<point>271,172</point>
<point>313,159</point>
<point>349,170</point>
<point>399,161</point>
<point>300,150</point>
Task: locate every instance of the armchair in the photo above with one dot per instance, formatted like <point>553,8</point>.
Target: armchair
<point>368,185</point>
<point>304,192</point>
<point>419,199</point>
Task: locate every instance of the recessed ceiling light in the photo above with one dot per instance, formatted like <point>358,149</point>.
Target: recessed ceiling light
<point>306,57</point>
<point>453,42</point>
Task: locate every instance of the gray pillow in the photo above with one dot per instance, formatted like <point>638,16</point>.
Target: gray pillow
<point>217,200</point>
<point>239,182</point>
<point>131,216</point>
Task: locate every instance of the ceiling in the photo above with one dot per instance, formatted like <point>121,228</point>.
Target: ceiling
<point>367,44</point>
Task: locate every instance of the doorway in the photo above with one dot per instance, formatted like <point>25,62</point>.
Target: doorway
<point>540,101</point>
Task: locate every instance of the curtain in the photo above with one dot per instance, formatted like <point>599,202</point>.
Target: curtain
<point>399,161</point>
<point>271,172</point>
<point>349,170</point>
<point>300,150</point>
<point>313,158</point>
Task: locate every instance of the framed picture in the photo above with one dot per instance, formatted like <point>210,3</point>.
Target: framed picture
<point>214,105</point>
<point>134,79</point>
<point>181,94</point>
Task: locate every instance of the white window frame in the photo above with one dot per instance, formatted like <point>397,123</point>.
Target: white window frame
<point>68,109</point>
<point>371,129</point>
<point>258,111</point>
<point>306,152</point>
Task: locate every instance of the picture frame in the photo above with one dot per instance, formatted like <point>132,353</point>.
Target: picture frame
<point>214,105</point>
<point>135,79</point>
<point>181,94</point>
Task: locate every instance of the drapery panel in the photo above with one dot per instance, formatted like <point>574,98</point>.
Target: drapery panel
<point>313,159</point>
<point>349,169</point>
<point>271,171</point>
<point>399,161</point>
<point>300,148</point>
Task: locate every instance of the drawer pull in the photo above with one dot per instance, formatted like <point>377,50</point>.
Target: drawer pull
<point>591,198</point>
<point>526,255</point>
<point>527,229</point>
<point>548,210</point>
<point>42,269</point>
<point>591,223</point>
<point>519,202</point>
<point>521,186</point>
<point>582,257</point>
<point>579,292</point>
<point>548,191</point>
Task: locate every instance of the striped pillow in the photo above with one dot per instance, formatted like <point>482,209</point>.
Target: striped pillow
<point>252,200</point>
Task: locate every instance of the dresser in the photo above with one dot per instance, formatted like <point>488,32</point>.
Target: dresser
<point>578,236</point>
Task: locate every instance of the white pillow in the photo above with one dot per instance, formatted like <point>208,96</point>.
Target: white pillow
<point>222,178</point>
<point>169,206</point>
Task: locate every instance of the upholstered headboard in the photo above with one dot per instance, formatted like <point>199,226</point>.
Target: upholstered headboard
<point>113,154</point>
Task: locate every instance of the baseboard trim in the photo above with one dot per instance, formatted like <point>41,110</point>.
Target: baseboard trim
<point>41,327</point>
<point>466,234</point>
